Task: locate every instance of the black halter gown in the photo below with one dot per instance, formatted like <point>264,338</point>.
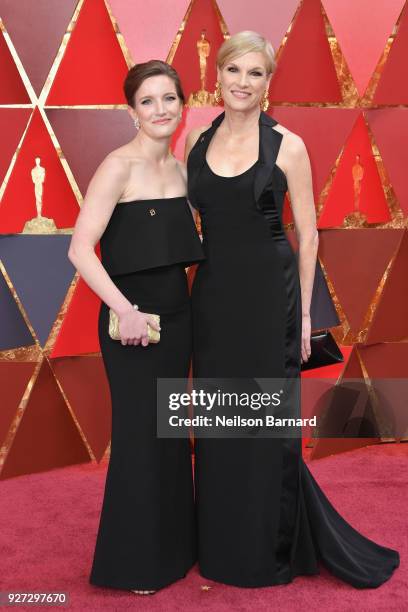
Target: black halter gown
<point>147,533</point>
<point>262,517</point>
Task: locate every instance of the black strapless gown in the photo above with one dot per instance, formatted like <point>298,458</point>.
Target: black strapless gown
<point>262,517</point>
<point>147,533</point>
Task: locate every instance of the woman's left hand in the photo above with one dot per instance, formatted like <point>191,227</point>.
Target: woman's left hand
<point>306,333</point>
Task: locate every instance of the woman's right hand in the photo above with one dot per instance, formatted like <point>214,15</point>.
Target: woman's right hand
<point>133,327</point>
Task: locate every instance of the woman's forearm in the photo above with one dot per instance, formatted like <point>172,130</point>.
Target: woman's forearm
<point>308,248</point>
<point>96,277</point>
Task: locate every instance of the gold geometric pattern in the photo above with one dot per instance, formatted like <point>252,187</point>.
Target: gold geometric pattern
<point>350,99</point>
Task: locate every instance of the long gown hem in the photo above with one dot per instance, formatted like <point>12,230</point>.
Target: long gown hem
<point>129,586</point>
<point>372,584</point>
<point>258,584</point>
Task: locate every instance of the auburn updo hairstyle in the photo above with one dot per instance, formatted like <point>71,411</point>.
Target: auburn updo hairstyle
<point>140,72</point>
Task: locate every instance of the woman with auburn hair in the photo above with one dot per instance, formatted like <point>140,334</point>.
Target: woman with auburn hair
<point>262,517</point>
<point>136,205</point>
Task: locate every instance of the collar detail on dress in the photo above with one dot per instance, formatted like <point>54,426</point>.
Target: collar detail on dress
<point>269,143</point>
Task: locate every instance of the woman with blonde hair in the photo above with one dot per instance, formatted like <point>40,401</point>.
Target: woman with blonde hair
<point>262,518</point>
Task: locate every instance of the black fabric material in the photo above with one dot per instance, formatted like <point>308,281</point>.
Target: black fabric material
<point>262,518</point>
<point>147,534</point>
<point>147,234</point>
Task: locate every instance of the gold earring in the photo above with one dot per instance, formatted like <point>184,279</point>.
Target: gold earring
<point>137,123</point>
<point>217,93</point>
<point>264,104</point>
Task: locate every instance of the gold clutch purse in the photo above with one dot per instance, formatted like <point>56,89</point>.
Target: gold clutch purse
<point>152,334</point>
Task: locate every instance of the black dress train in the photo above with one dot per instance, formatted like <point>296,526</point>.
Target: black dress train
<point>147,533</point>
<point>262,517</point>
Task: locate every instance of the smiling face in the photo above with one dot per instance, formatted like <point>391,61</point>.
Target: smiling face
<point>243,81</point>
<point>157,106</point>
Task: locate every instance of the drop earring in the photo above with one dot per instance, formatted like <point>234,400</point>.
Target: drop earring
<point>137,123</point>
<point>264,104</point>
<point>217,93</point>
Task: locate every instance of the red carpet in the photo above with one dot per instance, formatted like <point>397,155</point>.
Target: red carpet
<point>49,524</point>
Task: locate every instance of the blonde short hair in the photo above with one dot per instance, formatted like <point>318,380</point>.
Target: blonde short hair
<point>246,42</point>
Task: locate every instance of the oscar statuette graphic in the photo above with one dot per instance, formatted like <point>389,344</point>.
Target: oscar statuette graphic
<point>202,97</point>
<point>39,224</point>
<point>356,218</point>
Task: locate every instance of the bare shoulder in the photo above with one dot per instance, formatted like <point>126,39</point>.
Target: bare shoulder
<point>122,162</point>
<point>293,143</point>
<point>114,170</point>
<point>126,152</point>
<point>116,162</point>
